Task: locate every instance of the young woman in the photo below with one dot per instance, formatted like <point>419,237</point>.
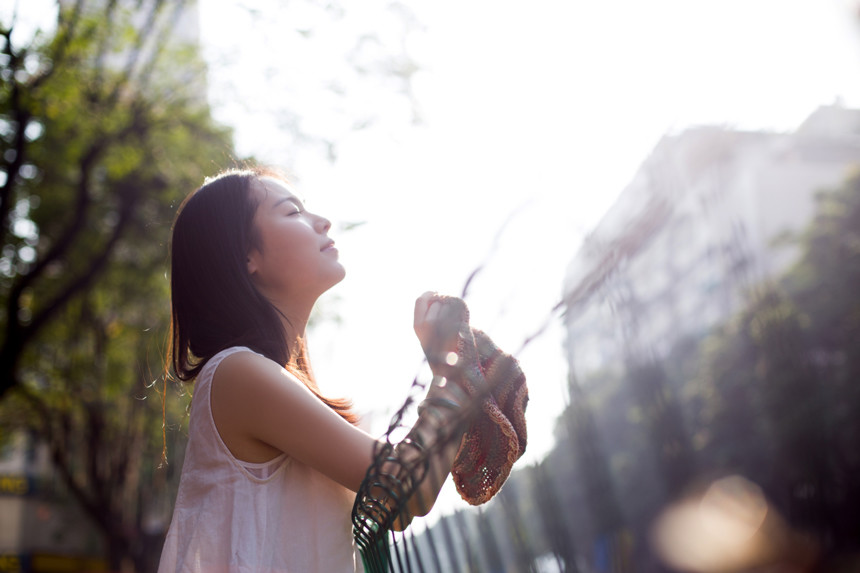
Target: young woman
<point>272,465</point>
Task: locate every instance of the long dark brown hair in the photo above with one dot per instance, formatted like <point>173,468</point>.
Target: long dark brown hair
<point>215,304</point>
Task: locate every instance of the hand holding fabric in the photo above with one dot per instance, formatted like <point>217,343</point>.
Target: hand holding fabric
<point>496,436</point>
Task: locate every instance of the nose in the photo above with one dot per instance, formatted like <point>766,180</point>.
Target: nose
<point>322,224</point>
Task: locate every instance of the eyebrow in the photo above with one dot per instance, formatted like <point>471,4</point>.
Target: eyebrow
<point>295,200</point>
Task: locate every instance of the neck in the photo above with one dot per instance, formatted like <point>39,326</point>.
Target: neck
<point>294,313</point>
<point>295,343</point>
<point>294,325</point>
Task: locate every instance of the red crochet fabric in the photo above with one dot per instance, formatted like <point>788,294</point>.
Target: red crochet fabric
<point>496,438</point>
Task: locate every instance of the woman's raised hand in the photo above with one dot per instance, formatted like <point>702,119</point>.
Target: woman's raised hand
<point>439,322</point>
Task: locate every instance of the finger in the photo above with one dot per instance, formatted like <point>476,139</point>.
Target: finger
<point>421,304</point>
<point>433,311</point>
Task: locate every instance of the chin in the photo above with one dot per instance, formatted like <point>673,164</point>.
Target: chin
<point>338,277</point>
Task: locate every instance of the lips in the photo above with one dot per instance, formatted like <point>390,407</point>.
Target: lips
<point>329,246</point>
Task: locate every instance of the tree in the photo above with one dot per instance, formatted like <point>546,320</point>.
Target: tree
<point>783,403</point>
<point>824,286</point>
<point>104,130</point>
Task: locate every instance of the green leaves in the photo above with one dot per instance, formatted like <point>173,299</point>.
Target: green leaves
<point>122,133</point>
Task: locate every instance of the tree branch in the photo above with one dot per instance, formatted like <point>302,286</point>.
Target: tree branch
<point>65,32</point>
<point>67,238</point>
<point>135,53</point>
<point>160,43</point>
<point>87,276</point>
<point>58,447</point>
<point>17,334</point>
<point>22,118</point>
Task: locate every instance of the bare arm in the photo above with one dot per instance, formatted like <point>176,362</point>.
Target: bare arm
<point>260,409</point>
<point>439,324</point>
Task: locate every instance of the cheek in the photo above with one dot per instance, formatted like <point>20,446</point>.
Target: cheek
<point>291,253</point>
<point>284,241</point>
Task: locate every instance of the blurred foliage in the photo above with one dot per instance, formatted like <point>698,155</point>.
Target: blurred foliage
<point>104,128</point>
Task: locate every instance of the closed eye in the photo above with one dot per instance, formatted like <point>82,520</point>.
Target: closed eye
<point>291,203</point>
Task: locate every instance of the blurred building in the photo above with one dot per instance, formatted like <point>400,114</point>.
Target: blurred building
<point>179,19</point>
<point>42,528</point>
<point>708,215</point>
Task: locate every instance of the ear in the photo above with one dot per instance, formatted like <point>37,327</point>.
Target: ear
<point>252,264</point>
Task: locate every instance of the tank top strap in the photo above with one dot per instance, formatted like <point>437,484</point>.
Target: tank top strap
<point>204,379</point>
<point>208,440</point>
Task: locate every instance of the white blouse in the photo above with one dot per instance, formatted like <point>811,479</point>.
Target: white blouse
<point>237,517</point>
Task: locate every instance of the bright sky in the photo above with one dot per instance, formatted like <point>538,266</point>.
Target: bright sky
<point>538,111</point>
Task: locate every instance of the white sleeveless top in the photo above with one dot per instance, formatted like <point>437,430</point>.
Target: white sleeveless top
<point>237,517</point>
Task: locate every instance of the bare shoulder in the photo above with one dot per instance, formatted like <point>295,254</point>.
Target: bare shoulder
<point>260,408</point>
<point>248,389</point>
<point>247,370</point>
<point>247,360</point>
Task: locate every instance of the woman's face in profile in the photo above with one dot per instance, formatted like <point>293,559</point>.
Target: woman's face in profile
<point>294,258</point>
